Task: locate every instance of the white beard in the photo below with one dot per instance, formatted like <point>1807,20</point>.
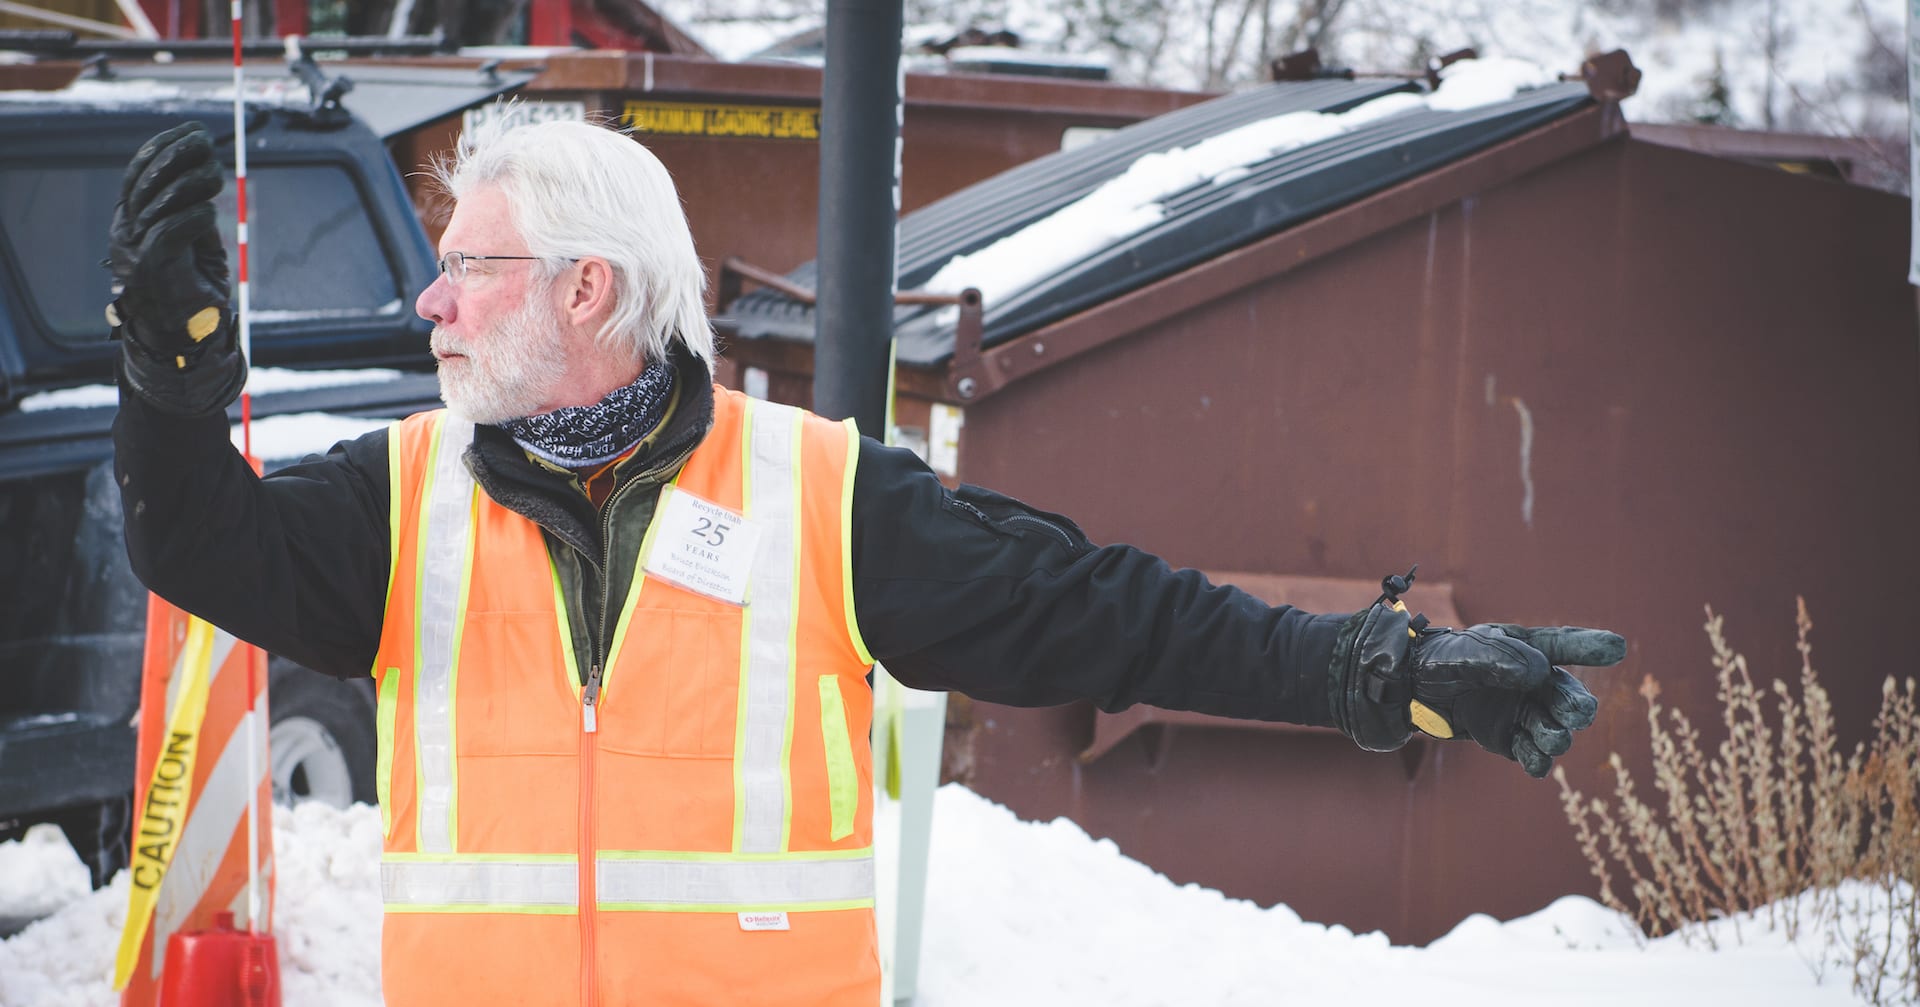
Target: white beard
<point>513,372</point>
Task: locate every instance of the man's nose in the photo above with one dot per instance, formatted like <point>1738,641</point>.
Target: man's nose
<point>435,304</point>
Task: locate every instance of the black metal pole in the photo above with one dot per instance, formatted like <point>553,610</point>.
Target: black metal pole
<point>859,205</point>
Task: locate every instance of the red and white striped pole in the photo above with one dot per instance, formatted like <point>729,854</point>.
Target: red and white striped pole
<point>246,447</point>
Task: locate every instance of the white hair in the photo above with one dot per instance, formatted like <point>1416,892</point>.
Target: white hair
<point>577,190</point>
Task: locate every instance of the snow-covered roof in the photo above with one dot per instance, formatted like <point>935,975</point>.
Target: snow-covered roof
<point>389,99</point>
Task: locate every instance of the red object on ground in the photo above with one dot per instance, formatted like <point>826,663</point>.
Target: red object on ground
<point>221,967</point>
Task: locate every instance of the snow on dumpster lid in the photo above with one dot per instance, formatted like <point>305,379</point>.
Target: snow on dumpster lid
<point>1070,230</point>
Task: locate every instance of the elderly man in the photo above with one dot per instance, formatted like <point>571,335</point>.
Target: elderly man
<point>621,618</point>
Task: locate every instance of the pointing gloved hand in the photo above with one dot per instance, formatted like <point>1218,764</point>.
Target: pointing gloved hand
<point>1495,683</point>
<point>170,282</point>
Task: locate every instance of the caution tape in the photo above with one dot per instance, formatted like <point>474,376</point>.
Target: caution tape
<point>157,834</point>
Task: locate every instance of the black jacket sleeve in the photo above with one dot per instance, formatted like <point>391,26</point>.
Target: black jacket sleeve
<point>978,593</point>
<point>295,563</point>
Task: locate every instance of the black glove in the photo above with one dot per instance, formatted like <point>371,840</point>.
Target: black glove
<point>1494,683</point>
<point>170,276</point>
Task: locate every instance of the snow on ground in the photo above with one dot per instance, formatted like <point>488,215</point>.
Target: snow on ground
<point>39,873</point>
<point>1019,913</point>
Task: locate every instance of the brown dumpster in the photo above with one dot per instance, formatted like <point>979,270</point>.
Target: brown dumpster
<point>1580,378</point>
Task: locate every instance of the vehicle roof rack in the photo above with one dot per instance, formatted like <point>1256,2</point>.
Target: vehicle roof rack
<point>57,43</point>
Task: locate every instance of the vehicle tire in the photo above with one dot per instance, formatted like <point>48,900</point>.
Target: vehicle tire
<point>322,739</point>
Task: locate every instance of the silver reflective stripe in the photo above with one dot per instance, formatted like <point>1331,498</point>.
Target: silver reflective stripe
<point>724,884</point>
<point>773,507</point>
<point>503,884</point>
<point>449,515</point>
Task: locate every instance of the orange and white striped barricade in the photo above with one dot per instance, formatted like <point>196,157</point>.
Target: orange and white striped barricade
<point>189,857</point>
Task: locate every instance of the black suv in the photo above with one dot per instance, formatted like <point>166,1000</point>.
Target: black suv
<point>338,254</point>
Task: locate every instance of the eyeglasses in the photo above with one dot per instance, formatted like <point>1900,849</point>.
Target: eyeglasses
<point>453,265</point>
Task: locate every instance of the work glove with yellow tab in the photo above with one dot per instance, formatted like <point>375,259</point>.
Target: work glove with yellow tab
<point>1495,683</point>
<point>170,285</point>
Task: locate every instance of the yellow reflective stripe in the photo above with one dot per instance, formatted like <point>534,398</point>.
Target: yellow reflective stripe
<point>846,541</point>
<point>394,447</point>
<point>733,907</point>
<point>740,883</point>
<point>388,710</point>
<point>566,628</point>
<point>843,791</point>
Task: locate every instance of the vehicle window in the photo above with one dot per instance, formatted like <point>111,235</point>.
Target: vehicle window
<point>54,221</point>
<point>315,251</point>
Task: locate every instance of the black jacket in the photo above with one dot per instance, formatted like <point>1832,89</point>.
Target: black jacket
<point>965,590</point>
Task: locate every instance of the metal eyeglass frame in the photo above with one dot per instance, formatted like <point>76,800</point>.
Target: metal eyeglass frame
<point>453,265</point>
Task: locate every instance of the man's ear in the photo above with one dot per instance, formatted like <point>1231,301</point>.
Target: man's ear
<point>590,296</point>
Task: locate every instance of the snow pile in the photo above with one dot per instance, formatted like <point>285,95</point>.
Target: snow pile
<point>65,960</point>
<point>326,916</point>
<point>39,873</point>
<point>1018,913</point>
<point>1132,202</point>
<point>1038,914</point>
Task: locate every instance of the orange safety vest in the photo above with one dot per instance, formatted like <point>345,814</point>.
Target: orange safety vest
<point>698,833</point>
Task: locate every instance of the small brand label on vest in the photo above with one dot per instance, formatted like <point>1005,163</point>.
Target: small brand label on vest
<point>702,547</point>
<point>763,921</point>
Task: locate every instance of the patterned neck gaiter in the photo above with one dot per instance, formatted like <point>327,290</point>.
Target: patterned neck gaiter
<point>579,436</point>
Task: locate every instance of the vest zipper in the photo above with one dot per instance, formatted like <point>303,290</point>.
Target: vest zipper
<point>589,695</point>
<point>588,903</point>
<point>589,726</point>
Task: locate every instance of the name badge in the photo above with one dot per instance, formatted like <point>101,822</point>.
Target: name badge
<point>702,546</point>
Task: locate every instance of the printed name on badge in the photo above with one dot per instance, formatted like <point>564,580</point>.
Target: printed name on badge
<point>702,546</point>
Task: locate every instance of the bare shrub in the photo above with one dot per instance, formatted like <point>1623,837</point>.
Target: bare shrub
<point>1775,811</point>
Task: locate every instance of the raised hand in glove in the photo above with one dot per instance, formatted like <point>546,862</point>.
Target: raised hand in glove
<point>170,282</point>
<point>1494,683</point>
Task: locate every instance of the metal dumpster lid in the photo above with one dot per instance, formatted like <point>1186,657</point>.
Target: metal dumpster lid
<point>1199,223</point>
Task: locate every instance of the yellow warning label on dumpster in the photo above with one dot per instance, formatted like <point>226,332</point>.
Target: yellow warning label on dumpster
<point>766,122</point>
